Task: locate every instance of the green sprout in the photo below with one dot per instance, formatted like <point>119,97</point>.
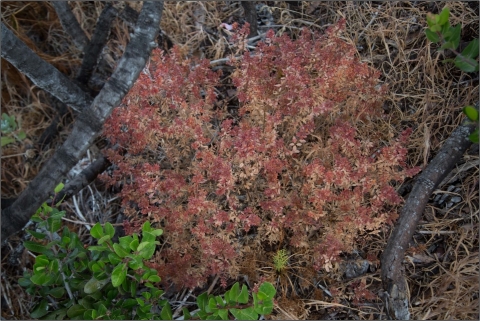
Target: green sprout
<point>280,260</point>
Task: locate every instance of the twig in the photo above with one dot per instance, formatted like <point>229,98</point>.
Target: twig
<point>79,213</point>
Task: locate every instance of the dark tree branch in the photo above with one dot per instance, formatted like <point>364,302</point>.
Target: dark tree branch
<point>70,24</point>
<point>98,41</point>
<point>251,16</point>
<point>394,283</point>
<point>83,179</point>
<point>89,123</point>
<point>79,182</point>
<point>41,73</point>
<point>128,15</point>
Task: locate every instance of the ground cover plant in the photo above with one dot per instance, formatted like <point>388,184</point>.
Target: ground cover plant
<point>419,92</point>
<point>296,166</point>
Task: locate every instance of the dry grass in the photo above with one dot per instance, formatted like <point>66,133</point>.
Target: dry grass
<point>442,264</point>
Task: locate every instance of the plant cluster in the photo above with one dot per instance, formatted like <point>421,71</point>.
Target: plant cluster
<point>439,30</point>
<point>10,130</point>
<point>306,161</point>
<point>110,281</point>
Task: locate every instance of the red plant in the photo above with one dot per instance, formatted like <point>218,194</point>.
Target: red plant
<point>307,162</point>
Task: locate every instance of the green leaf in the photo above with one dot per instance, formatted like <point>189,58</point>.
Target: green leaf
<point>109,229</point>
<point>452,36</point>
<point>135,263</point>
<point>233,293</point>
<point>97,231</point>
<point>119,274</point>
<point>125,241</point>
<point>147,295</point>
<point>5,140</point>
<point>435,28</point>
<point>154,278</point>
<point>148,237</point>
<point>59,188</point>
<point>466,64</point>
<point>98,248</point>
<point>34,247</point>
<point>431,21</point>
<point>40,310</point>
<point>471,112</point>
<point>102,310</point>
<point>166,313</point>
<point>212,304</point>
<point>134,244</point>
<point>54,265</point>
<point>471,51</point>
<point>432,36</point>
<point>56,292</point>
<point>40,278</point>
<point>24,282</point>
<point>202,301</point>
<point>53,224</point>
<point>146,227</point>
<point>37,235</point>
<point>448,45</point>
<point>103,239</point>
<point>263,306</point>
<point>243,297</point>
<point>133,287</point>
<point>244,314</point>
<point>157,232</point>
<point>114,258</point>
<point>268,289</point>
<point>474,136</point>
<point>93,285</point>
<point>443,16</point>
<point>75,311</point>
<point>21,135</point>
<point>120,251</point>
<point>147,251</point>
<point>186,314</point>
<point>223,313</point>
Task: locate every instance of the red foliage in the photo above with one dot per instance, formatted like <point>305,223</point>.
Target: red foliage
<point>308,160</point>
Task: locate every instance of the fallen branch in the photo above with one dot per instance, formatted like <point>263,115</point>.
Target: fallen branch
<point>89,123</point>
<point>41,73</point>
<point>83,179</point>
<point>98,41</point>
<point>70,23</point>
<point>394,283</point>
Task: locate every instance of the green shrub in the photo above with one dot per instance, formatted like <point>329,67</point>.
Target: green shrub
<point>111,281</point>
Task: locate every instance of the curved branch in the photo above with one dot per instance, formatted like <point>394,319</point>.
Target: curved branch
<point>393,279</point>
<point>70,24</point>
<point>42,73</point>
<point>89,123</point>
<point>98,41</point>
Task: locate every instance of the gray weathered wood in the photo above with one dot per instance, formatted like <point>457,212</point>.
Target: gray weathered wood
<point>89,123</point>
<point>70,23</point>
<point>394,283</point>
<point>41,73</point>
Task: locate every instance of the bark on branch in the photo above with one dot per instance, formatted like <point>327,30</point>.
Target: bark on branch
<point>89,123</point>
<point>41,73</point>
<point>394,282</point>
<point>98,41</point>
<point>70,24</point>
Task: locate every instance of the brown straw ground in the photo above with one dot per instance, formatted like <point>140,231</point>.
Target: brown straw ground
<point>442,263</point>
